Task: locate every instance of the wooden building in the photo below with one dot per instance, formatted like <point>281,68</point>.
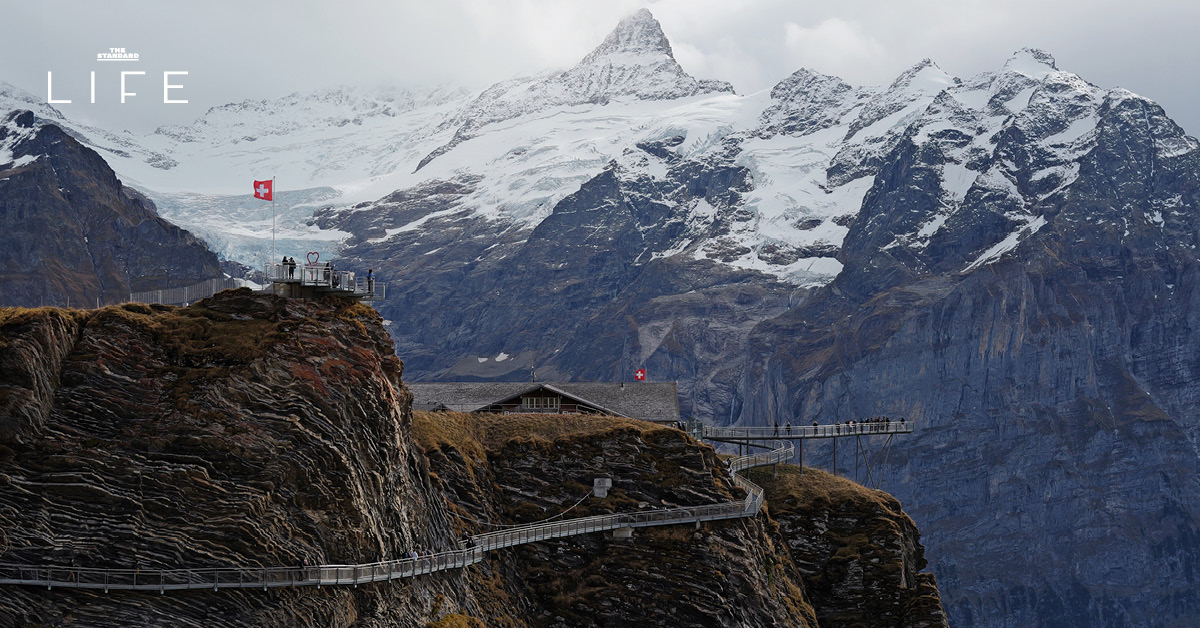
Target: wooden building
<point>649,401</point>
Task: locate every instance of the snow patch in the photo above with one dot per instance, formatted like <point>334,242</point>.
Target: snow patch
<point>957,180</point>
<point>1009,243</point>
<point>932,227</point>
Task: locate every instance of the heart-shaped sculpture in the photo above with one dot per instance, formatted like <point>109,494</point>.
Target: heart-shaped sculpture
<point>313,256</point>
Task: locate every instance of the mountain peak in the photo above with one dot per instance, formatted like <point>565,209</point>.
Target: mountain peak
<point>925,76</point>
<point>638,33</point>
<point>1031,62</point>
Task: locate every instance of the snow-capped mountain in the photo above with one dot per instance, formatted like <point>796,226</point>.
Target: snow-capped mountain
<point>635,62</point>
<point>1008,259</point>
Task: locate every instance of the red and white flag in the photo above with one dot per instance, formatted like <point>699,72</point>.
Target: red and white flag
<point>640,375</point>
<point>262,189</point>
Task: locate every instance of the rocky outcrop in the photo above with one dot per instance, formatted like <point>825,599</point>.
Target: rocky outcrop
<point>860,556</point>
<point>243,430</point>
<point>74,232</point>
<point>504,470</point>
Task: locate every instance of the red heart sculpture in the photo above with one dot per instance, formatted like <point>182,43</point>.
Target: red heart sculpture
<point>313,256</point>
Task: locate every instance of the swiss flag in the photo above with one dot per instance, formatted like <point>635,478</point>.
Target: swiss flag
<point>640,375</point>
<point>262,189</point>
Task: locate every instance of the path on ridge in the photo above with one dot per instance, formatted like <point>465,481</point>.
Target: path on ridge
<point>163,580</point>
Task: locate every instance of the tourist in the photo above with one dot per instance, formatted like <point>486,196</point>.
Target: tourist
<point>370,281</point>
<point>789,428</point>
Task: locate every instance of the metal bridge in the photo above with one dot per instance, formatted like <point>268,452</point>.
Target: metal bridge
<point>163,580</point>
<point>747,437</point>
<point>742,435</point>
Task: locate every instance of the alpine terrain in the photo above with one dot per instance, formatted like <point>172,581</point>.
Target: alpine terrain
<point>1008,260</point>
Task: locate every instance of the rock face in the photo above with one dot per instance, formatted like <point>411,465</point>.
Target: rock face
<point>859,555</point>
<point>242,430</point>
<point>73,231</point>
<point>831,553</point>
<point>506,470</point>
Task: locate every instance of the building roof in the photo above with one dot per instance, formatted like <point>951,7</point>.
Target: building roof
<point>651,401</point>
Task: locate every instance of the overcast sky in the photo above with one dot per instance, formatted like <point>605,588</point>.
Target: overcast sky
<point>263,49</point>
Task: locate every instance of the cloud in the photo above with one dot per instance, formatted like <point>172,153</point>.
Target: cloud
<point>835,46</point>
<point>238,50</point>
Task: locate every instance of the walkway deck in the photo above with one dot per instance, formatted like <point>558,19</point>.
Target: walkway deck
<point>743,435</point>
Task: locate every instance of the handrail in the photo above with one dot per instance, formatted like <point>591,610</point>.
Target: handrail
<point>163,580</point>
<point>784,432</point>
<point>325,278</point>
<point>185,294</point>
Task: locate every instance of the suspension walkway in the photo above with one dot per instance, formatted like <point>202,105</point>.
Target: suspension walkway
<point>163,580</point>
<point>743,435</point>
<point>747,437</point>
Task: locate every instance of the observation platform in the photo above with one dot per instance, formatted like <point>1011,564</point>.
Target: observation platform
<point>744,435</point>
<point>312,281</point>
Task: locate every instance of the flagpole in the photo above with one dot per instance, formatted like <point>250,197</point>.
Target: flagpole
<point>273,225</point>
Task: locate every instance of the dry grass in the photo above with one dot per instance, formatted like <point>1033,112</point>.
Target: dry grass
<point>12,318</point>
<point>476,433</point>
<point>196,335</point>
<point>815,489</point>
<point>457,620</point>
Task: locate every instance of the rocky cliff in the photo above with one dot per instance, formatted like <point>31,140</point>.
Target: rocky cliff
<point>831,553</point>
<point>255,430</point>
<point>241,430</point>
<point>73,231</point>
<point>860,556</point>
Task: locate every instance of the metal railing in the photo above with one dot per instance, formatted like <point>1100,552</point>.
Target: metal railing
<point>163,580</point>
<point>326,278</point>
<point>784,432</point>
<point>186,294</point>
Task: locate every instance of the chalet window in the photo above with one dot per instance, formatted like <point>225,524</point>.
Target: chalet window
<point>540,403</point>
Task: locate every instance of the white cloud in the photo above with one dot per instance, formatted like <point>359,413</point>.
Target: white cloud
<point>835,46</point>
<point>237,50</point>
